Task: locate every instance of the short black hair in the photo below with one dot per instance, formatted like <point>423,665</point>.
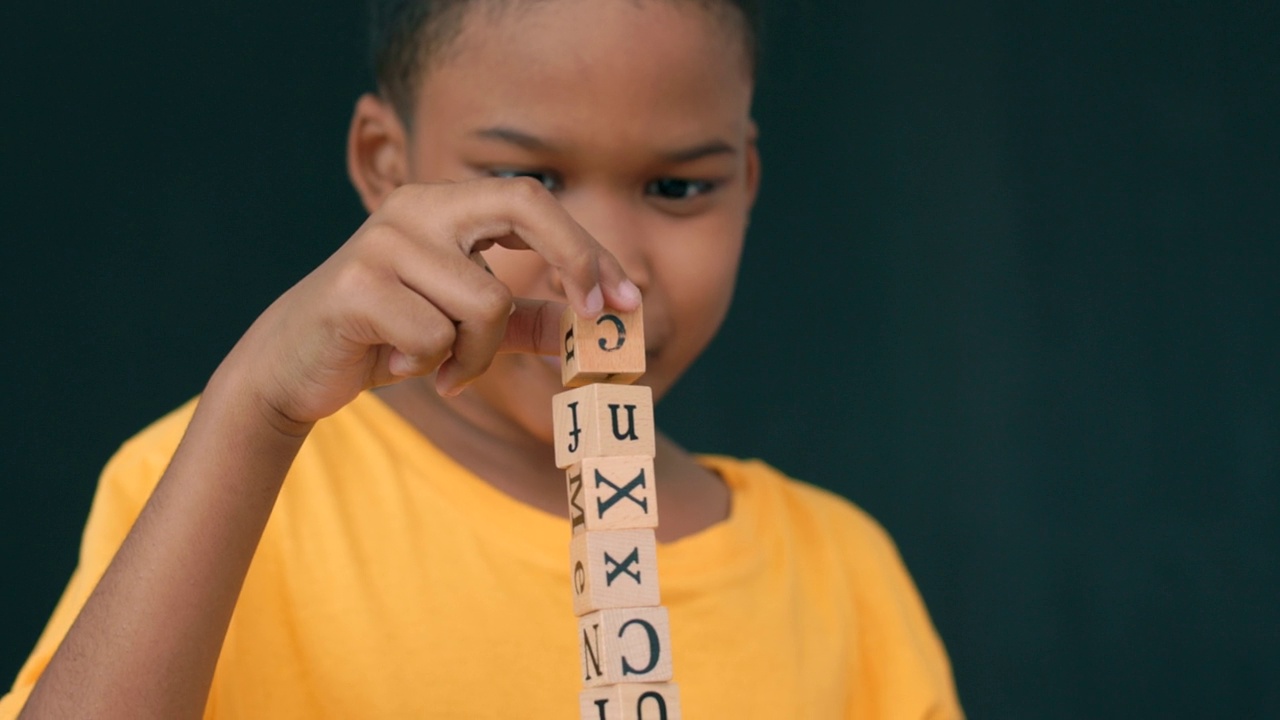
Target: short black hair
<point>406,34</point>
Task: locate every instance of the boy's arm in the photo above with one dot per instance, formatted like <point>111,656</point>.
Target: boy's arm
<point>401,298</point>
<point>161,609</point>
<point>123,488</point>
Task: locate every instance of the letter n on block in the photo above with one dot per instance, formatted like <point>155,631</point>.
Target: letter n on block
<point>614,569</point>
<point>615,493</point>
<point>650,701</point>
<point>609,349</point>
<point>626,645</point>
<point>603,421</point>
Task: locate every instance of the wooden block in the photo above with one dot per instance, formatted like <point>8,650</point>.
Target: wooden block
<point>614,493</point>
<point>614,569</point>
<point>609,349</point>
<point>630,645</point>
<point>647,701</point>
<point>603,421</point>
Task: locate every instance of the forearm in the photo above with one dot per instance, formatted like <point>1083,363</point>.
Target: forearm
<point>147,640</point>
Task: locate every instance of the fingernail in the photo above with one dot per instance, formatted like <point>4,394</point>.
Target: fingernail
<point>400,365</point>
<point>595,301</point>
<point>446,388</point>
<point>628,293</point>
<point>512,311</point>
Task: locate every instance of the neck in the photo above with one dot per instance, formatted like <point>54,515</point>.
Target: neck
<point>522,465</point>
<point>493,447</point>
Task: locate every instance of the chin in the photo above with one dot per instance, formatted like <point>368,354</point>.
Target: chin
<point>522,387</point>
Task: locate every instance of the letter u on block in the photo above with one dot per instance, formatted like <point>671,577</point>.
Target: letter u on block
<point>603,421</point>
<point>648,701</point>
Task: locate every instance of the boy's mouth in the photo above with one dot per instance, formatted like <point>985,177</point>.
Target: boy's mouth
<point>553,361</point>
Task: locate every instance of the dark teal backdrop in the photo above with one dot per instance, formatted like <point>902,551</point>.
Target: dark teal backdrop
<point>1012,287</point>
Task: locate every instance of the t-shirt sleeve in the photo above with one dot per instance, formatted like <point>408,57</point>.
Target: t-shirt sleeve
<point>904,666</point>
<point>123,489</point>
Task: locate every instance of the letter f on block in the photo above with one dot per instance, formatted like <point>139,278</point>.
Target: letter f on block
<point>576,431</point>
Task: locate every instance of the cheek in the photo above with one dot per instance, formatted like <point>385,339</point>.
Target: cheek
<point>700,277</point>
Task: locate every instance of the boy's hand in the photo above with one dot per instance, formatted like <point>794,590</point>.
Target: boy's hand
<point>408,294</point>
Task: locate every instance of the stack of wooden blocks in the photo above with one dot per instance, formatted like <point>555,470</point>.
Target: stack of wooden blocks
<point>605,441</point>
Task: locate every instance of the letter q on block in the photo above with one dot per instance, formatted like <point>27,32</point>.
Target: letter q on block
<point>632,701</point>
<point>603,421</point>
<point>609,349</point>
<point>625,645</point>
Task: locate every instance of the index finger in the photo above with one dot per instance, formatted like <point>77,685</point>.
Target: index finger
<point>521,213</point>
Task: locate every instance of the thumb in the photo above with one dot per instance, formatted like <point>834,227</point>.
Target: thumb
<point>534,327</point>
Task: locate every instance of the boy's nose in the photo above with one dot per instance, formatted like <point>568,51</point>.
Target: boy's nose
<point>618,225</point>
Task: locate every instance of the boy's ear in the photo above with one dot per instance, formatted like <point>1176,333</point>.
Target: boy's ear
<point>377,148</point>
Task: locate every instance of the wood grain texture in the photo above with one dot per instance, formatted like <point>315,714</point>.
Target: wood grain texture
<point>630,645</point>
<point>631,701</point>
<point>614,569</point>
<point>612,493</point>
<point>609,349</point>
<point>603,421</point>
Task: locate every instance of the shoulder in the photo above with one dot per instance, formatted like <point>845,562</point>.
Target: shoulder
<point>831,543</point>
<point>840,552</point>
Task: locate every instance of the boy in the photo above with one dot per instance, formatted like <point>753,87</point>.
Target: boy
<point>415,563</point>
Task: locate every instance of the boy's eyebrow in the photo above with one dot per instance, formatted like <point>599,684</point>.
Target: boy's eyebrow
<point>697,152</point>
<point>516,137</point>
<point>534,143</point>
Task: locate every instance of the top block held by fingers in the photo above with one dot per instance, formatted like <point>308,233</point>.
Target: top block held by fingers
<point>609,349</point>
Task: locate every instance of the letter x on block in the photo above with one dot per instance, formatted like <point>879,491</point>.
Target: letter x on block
<point>614,569</point>
<point>650,701</point>
<point>626,645</point>
<point>603,421</point>
<point>614,493</point>
<point>609,349</point>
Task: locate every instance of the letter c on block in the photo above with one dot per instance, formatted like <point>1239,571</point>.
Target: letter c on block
<point>621,329</point>
<point>655,652</point>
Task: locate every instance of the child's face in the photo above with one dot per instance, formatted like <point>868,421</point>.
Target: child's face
<point>636,114</point>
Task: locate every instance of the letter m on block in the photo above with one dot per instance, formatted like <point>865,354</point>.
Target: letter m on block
<point>577,509</point>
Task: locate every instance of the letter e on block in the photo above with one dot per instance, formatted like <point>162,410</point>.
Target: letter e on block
<point>603,421</point>
<point>614,569</point>
<point>609,349</point>
<point>648,701</point>
<point>625,645</point>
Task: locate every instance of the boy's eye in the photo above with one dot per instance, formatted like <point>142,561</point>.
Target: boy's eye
<point>550,181</point>
<point>678,188</point>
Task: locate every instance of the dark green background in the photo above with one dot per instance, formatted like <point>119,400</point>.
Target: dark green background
<point>1012,287</point>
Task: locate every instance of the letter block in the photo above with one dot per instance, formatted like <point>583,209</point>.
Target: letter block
<point>614,493</point>
<point>603,421</point>
<point>648,701</point>
<point>627,645</point>
<point>614,569</point>
<point>609,349</point>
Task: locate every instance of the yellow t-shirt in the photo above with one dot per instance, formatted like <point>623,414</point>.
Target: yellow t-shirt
<point>392,583</point>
